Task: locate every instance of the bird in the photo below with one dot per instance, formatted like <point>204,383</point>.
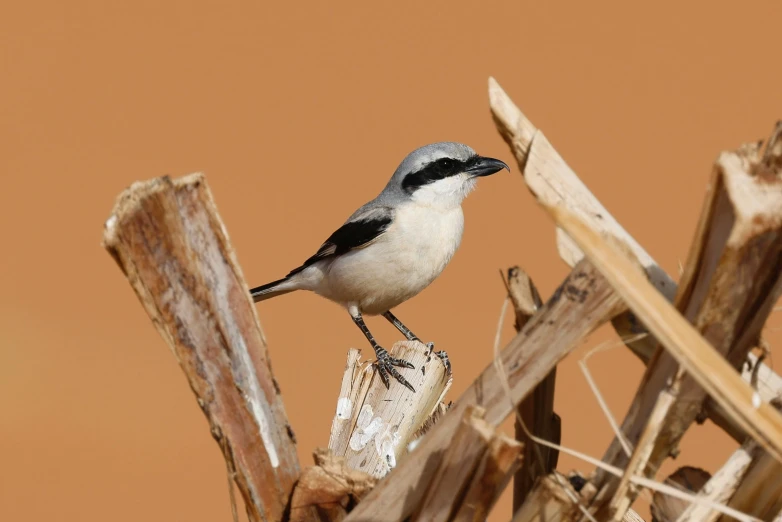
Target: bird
<point>395,245</point>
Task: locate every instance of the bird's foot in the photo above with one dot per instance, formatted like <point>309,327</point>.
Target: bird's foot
<point>385,366</point>
<point>444,358</point>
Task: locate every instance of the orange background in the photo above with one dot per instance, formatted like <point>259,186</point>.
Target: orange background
<point>298,113</point>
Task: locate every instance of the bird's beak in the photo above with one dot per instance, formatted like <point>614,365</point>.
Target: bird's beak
<point>481,166</point>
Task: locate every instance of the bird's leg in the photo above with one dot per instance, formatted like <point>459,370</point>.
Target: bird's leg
<point>412,337</point>
<point>401,327</point>
<point>385,363</point>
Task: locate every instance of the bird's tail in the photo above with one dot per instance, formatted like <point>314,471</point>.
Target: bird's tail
<point>269,290</point>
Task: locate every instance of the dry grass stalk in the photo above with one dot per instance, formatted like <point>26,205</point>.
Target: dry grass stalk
<point>472,473</point>
<point>373,425</point>
<point>625,494</point>
<point>327,491</point>
<point>581,303</point>
<point>169,241</point>
<point>537,410</point>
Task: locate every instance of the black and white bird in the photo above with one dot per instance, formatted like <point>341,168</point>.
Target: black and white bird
<point>396,245</point>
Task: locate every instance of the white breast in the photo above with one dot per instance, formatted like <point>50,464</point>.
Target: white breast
<point>403,261</point>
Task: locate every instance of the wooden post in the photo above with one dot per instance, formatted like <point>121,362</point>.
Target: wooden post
<point>373,425</point>
<point>170,243</point>
<point>536,410</point>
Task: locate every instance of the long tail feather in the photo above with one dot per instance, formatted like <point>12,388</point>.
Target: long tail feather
<point>269,290</point>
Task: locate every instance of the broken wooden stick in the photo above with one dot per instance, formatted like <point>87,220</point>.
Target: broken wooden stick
<point>696,356</point>
<point>554,499</point>
<point>330,488</point>
<point>373,425</point>
<point>170,243</point>
<point>581,303</point>
<point>732,279</point>
<point>561,186</point>
<point>474,470</point>
<point>536,410</point>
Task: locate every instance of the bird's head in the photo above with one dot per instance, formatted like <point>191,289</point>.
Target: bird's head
<point>442,174</point>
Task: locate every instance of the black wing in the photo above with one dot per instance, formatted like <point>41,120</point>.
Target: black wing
<point>351,235</point>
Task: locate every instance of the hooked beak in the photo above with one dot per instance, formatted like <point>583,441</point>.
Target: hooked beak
<point>481,166</point>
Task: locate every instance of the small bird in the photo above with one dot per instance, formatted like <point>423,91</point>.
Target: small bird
<point>394,246</point>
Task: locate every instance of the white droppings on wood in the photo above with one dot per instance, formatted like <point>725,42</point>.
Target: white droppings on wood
<point>386,442</point>
<point>344,408</point>
<point>366,427</point>
<point>756,400</point>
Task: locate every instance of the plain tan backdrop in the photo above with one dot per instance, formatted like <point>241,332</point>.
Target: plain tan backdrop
<point>298,113</point>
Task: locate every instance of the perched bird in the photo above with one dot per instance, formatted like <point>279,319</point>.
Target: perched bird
<point>394,246</point>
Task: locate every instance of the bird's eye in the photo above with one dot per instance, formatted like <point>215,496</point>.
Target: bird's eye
<point>446,163</point>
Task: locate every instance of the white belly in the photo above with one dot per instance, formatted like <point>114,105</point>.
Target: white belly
<point>399,264</point>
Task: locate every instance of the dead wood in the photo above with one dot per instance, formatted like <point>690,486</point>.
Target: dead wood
<point>474,470</point>
<point>665,508</point>
<point>327,491</point>
<point>169,241</point>
<point>373,425</point>
<point>580,304</point>
<point>536,410</point>
<point>732,279</point>
<point>563,187</point>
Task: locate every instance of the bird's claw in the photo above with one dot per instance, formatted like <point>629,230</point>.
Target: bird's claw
<point>385,366</point>
<point>444,358</point>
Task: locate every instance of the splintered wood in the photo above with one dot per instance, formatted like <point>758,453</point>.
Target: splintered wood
<point>330,488</point>
<point>373,425</point>
<point>583,302</point>
<point>731,284</point>
<point>170,243</point>
<point>472,472</point>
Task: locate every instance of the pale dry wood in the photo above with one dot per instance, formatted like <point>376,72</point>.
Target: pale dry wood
<point>373,425</point>
<point>563,186</point>
<point>327,491</point>
<point>699,359</point>
<point>169,241</point>
<point>625,494</point>
<point>553,499</point>
<point>579,305</point>
<point>732,278</point>
<point>537,410</point>
<point>718,488</point>
<point>760,492</point>
<point>472,473</point>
